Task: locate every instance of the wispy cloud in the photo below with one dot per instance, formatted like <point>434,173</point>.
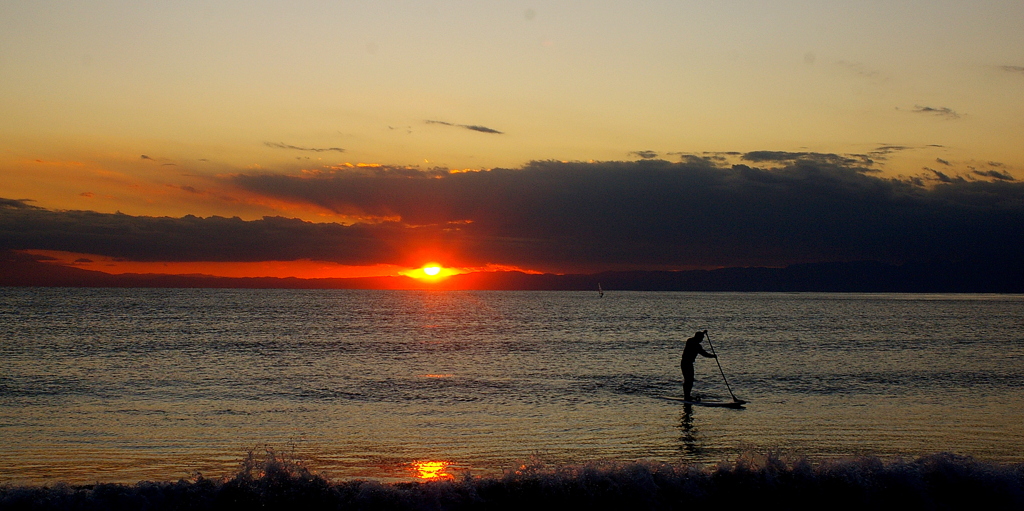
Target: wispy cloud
<point>157,160</point>
<point>281,145</point>
<point>880,153</point>
<point>647,154</point>
<point>943,177</point>
<point>711,158</point>
<point>995,174</point>
<point>187,188</point>
<point>474,127</point>
<point>783,156</point>
<point>940,111</point>
<point>859,69</point>
<point>884,150</point>
<point>790,157</point>
<point>1012,69</point>
<point>864,162</point>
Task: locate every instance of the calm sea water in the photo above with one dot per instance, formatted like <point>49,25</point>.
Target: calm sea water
<point>122,385</point>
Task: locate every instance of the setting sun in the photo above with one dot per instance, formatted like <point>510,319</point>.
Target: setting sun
<point>431,470</point>
<point>431,272</point>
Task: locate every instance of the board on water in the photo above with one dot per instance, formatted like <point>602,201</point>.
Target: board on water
<point>713,403</point>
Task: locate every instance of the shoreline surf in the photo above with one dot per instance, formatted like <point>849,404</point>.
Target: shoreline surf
<point>937,481</point>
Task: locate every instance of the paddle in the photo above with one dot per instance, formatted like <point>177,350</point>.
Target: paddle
<point>712,346</point>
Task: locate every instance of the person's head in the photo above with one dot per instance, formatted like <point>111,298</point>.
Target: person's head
<point>699,336</point>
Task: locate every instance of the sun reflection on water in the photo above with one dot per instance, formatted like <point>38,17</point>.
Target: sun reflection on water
<point>431,470</point>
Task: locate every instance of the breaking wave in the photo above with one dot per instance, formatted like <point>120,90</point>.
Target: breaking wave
<point>939,481</point>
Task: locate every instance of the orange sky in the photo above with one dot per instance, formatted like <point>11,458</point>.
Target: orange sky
<point>166,110</point>
<point>303,269</point>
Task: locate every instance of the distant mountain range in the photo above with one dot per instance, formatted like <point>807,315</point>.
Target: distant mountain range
<point>989,276</point>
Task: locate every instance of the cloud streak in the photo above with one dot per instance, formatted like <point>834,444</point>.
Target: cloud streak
<point>809,157</point>
<point>941,111</point>
<point>645,154</point>
<point>994,174</point>
<point>473,127</point>
<point>281,145</point>
<point>859,69</point>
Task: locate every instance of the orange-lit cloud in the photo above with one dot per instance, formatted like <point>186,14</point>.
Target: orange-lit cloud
<point>303,268</point>
<point>149,185</point>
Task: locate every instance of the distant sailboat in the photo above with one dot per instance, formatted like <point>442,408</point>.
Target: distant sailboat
<point>600,292</point>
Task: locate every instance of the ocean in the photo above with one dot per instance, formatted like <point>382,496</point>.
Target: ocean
<point>128,385</point>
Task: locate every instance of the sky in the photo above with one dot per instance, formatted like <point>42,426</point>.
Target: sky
<point>332,139</point>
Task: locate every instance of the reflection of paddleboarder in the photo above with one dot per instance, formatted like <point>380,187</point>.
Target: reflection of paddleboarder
<point>690,352</point>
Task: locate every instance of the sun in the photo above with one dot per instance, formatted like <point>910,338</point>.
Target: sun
<point>431,272</point>
<point>431,470</point>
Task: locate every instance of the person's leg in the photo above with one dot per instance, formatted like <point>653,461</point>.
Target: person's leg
<point>687,381</point>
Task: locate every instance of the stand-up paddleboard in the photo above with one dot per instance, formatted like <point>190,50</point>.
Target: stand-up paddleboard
<point>720,404</point>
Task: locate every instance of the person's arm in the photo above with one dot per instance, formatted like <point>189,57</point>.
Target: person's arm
<point>706,354</point>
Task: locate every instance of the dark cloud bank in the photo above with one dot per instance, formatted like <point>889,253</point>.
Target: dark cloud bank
<point>822,212</point>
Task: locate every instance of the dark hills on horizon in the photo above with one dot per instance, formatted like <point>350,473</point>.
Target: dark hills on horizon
<point>990,276</point>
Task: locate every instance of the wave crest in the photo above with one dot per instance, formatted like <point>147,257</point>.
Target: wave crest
<point>939,481</point>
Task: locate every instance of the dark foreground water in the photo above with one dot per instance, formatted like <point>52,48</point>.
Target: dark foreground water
<point>119,386</point>
<point>939,482</point>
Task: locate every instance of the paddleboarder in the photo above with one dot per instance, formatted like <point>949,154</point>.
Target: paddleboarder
<point>690,352</point>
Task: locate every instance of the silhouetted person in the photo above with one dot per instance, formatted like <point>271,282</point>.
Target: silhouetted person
<point>690,352</point>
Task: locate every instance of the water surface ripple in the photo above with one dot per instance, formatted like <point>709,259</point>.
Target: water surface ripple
<point>131,384</point>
